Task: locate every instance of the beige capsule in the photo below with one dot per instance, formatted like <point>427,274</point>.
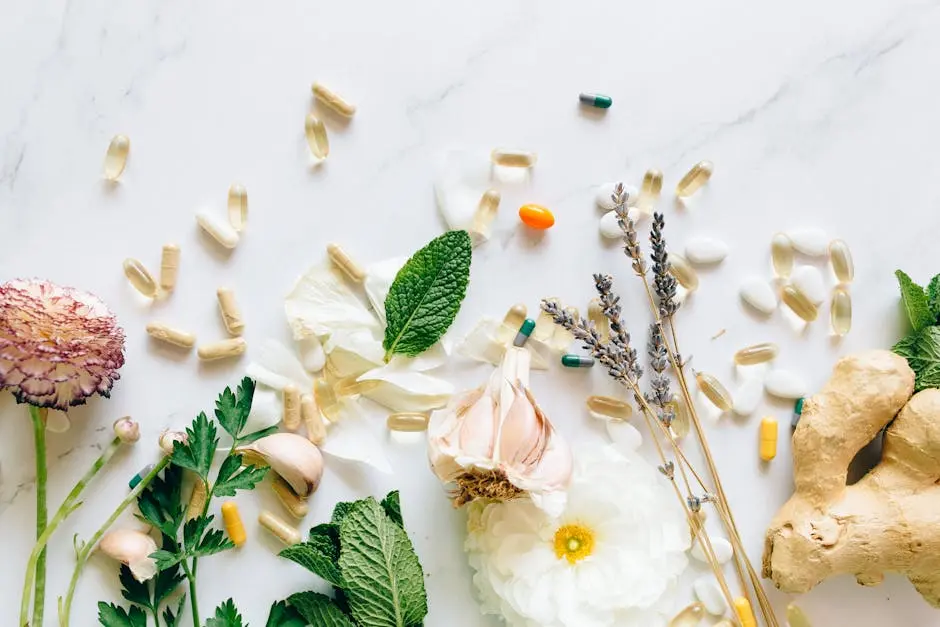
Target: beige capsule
<point>407,421</point>
<point>781,255</point>
<point>509,158</point>
<point>685,274</point>
<point>756,354</point>
<point>292,412</point>
<point>513,319</point>
<point>317,139</point>
<point>296,505</point>
<point>115,159</point>
<point>689,616</point>
<point>282,530</point>
<point>333,100</point>
<point>344,262</point>
<point>170,335</point>
<point>140,277</point>
<point>485,212</point>
<point>313,419</point>
<point>608,408</point>
<point>714,391</point>
<point>169,266</point>
<point>238,207</point>
<point>197,500</point>
<point>694,179</point>
<point>595,314</point>
<point>232,347</point>
<point>798,303</point>
<point>231,313</point>
<point>841,259</point>
<point>840,311</point>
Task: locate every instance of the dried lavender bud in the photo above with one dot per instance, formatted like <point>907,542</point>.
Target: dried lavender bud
<point>631,244</point>
<point>664,284</point>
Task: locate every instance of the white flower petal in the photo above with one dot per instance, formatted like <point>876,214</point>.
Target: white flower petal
<point>351,352</point>
<point>350,438</point>
<point>625,436</point>
<point>278,366</point>
<point>266,410</point>
<point>403,390</point>
<point>321,303</point>
<point>481,344</point>
<point>379,278</point>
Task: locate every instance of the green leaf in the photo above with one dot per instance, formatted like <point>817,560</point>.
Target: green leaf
<point>134,591</point>
<point>196,454</point>
<point>172,619</point>
<point>318,555</point>
<point>330,530</point>
<point>167,580</point>
<point>165,559</point>
<point>282,615</point>
<point>115,616</point>
<point>233,476</point>
<point>160,503</point>
<point>915,302</point>
<point>424,299</point>
<point>319,610</point>
<point>339,512</point>
<point>257,435</point>
<point>383,578</point>
<point>226,616</point>
<point>231,410</point>
<point>392,506</point>
<point>922,351</point>
<point>933,298</point>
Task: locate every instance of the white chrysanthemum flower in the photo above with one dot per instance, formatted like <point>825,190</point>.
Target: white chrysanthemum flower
<point>611,558</point>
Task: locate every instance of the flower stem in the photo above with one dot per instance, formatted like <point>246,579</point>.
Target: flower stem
<point>39,435</point>
<point>193,602</point>
<point>69,505</point>
<point>83,554</point>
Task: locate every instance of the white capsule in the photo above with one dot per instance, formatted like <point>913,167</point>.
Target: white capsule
<point>709,593</point>
<point>705,250</point>
<point>747,397</point>
<point>603,195</point>
<point>809,281</point>
<point>785,384</point>
<point>311,354</point>
<point>757,293</point>
<point>720,547</point>
<point>811,242</point>
<point>626,437</point>
<point>609,226</point>
<point>220,230</point>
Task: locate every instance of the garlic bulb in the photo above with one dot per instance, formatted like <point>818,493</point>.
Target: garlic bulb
<point>133,548</point>
<point>293,457</point>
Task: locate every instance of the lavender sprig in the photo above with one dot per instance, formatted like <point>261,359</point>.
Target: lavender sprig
<point>664,283</point>
<point>631,243</point>
<point>619,337</point>
<point>659,395</point>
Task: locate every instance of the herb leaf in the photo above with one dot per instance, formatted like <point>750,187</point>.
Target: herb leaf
<point>134,591</point>
<point>196,454</point>
<point>233,476</point>
<point>424,299</point>
<point>392,506</point>
<point>282,615</point>
<point>933,298</point>
<point>160,504</point>
<point>111,615</point>
<point>915,302</point>
<point>319,555</point>
<point>232,410</point>
<point>383,579</point>
<point>226,615</point>
<point>171,619</point>
<point>922,351</point>
<point>320,610</point>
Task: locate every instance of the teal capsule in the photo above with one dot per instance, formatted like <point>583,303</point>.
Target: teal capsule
<point>136,479</point>
<point>797,412</point>
<point>596,100</point>
<point>576,361</point>
<point>524,332</point>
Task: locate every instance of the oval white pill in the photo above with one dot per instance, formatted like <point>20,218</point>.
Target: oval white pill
<point>603,195</point>
<point>704,250</point>
<point>625,436</point>
<point>709,593</point>
<point>220,230</point>
<point>311,354</point>
<point>812,242</point>
<point>609,226</point>
<point>809,281</point>
<point>747,397</point>
<point>757,293</point>
<point>785,384</point>
<point>720,547</point>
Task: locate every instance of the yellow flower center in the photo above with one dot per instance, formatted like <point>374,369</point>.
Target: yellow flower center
<point>573,542</point>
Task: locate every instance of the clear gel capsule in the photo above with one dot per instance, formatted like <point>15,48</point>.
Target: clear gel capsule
<point>317,139</point>
<point>683,271</point>
<point>136,479</point>
<point>689,617</point>
<point>326,399</point>
<point>599,101</point>
<point>796,617</point>
<point>237,207</point>
<point>407,422</point>
<point>595,313</point>
<point>756,354</point>
<point>841,259</point>
<point>781,255</point>
<point>524,332</point>
<point>545,323</point>
<point>562,337</point>
<point>168,334</point>
<point>714,391</point>
<point>140,277</point>
<point>115,160</point>
<point>350,386</point>
<point>576,361</point>
<point>798,303</point>
<point>840,311</point>
<point>279,528</point>
<point>291,416</point>
<point>231,313</point>
<point>650,189</point>
<point>508,158</point>
<point>169,266</point>
<point>681,420</point>
<point>694,179</point>
<point>296,505</point>
<point>511,323</point>
<point>485,212</point>
<point>333,100</point>
<point>344,262</point>
<point>608,408</point>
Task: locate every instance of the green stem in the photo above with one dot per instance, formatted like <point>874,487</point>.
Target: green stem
<point>82,557</point>
<point>68,506</point>
<point>193,603</point>
<point>42,515</point>
<point>156,616</point>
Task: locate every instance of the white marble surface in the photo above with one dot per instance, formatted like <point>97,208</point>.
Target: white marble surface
<point>814,114</point>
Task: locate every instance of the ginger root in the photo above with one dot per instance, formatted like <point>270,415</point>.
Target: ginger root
<point>889,521</point>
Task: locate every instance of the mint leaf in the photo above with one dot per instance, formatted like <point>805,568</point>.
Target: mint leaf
<point>115,616</point>
<point>233,476</point>
<point>922,351</point>
<point>232,410</point>
<point>915,302</point>
<point>196,454</point>
<point>282,615</point>
<point>226,616</point>
<point>384,583</point>
<point>173,619</point>
<point>933,298</point>
<point>319,609</point>
<point>424,299</point>
<point>339,512</point>
<point>392,506</point>
<point>319,555</point>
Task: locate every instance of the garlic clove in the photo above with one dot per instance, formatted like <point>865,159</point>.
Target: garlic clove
<point>293,457</point>
<point>133,548</point>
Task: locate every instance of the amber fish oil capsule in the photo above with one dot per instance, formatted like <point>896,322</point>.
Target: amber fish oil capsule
<point>232,347</point>
<point>768,439</point>
<point>140,277</point>
<point>508,158</point>
<point>841,259</point>
<point>317,139</point>
<point>168,334</point>
<point>231,314</point>
<point>407,422</point>
<point>608,408</point>
<point>714,391</point>
<point>536,217</point>
<point>685,274</point>
<point>344,262</point>
<point>599,101</point>
<point>798,303</point>
<point>292,414</point>
<point>233,523</point>
<point>781,255</point>
<point>485,212</point>
<point>333,100</point>
<point>694,179</point>
<point>756,354</point>
<point>115,159</point>
<point>841,311</point>
<point>237,207</point>
<point>650,189</point>
<point>169,266</point>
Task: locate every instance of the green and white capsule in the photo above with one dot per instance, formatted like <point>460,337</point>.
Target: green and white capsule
<point>576,361</point>
<point>797,412</point>
<point>599,101</point>
<point>524,332</point>
<point>136,479</point>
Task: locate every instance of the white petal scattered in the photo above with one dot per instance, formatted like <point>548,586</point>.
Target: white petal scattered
<point>351,438</point>
<point>460,179</point>
<point>757,293</point>
<point>353,352</point>
<point>785,384</point>
<point>321,302</point>
<point>481,344</point>
<point>720,547</point>
<point>609,226</point>
<point>812,242</point>
<point>709,593</point>
<point>405,390</point>
<point>809,281</point>
<point>604,192</point>
<point>277,366</point>
<point>625,437</point>
<point>705,250</point>
<point>747,396</point>
<point>379,278</point>
<point>311,354</point>
<point>266,410</point>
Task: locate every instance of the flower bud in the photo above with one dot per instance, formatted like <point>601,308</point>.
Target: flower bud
<point>126,429</point>
<point>167,438</point>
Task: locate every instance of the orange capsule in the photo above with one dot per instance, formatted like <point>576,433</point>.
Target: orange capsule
<point>536,217</point>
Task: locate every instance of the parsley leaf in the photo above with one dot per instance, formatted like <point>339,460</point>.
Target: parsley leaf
<point>172,619</point>
<point>922,351</point>
<point>424,299</point>
<point>233,476</point>
<point>160,504</point>
<point>226,615</point>
<point>320,610</point>
<point>196,454</point>
<point>915,302</point>
<point>200,542</point>
<point>282,615</point>
<point>232,410</point>
<point>134,591</point>
<point>392,506</point>
<point>257,435</point>
<point>111,615</point>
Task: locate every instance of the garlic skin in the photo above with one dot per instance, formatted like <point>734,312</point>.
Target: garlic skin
<point>293,457</point>
<point>168,437</point>
<point>132,548</point>
<point>127,430</point>
<point>494,442</point>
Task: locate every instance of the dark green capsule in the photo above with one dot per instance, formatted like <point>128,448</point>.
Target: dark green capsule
<point>797,412</point>
<point>524,332</point>
<point>136,479</point>
<point>576,361</point>
<point>596,100</point>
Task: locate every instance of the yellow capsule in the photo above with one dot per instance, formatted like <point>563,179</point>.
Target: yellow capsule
<point>486,212</point>
<point>511,323</point>
<point>694,178</point>
<point>781,255</point>
<point>317,139</point>
<point>115,160</point>
<point>768,438</point>
<point>280,529</point>
<point>169,266</point>
<point>840,311</point>
<point>689,617</point>
<point>756,354</point>
<point>140,277</point>
<point>233,523</point>
<point>237,207</point>
<point>608,408</point>
<point>350,386</point>
<point>745,614</point>
<point>683,271</point>
<point>595,314</point>
<point>798,303</point>
<point>197,500</point>
<point>291,407</point>
<point>313,419</point>
<point>508,158</point>
<point>231,314</point>
<point>333,100</point>
<point>714,391</point>
<point>407,421</point>
<point>232,347</point>
<point>841,258</point>
<point>796,617</point>
<point>681,420</point>
<point>344,262</point>
<point>296,505</point>
<point>170,335</point>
